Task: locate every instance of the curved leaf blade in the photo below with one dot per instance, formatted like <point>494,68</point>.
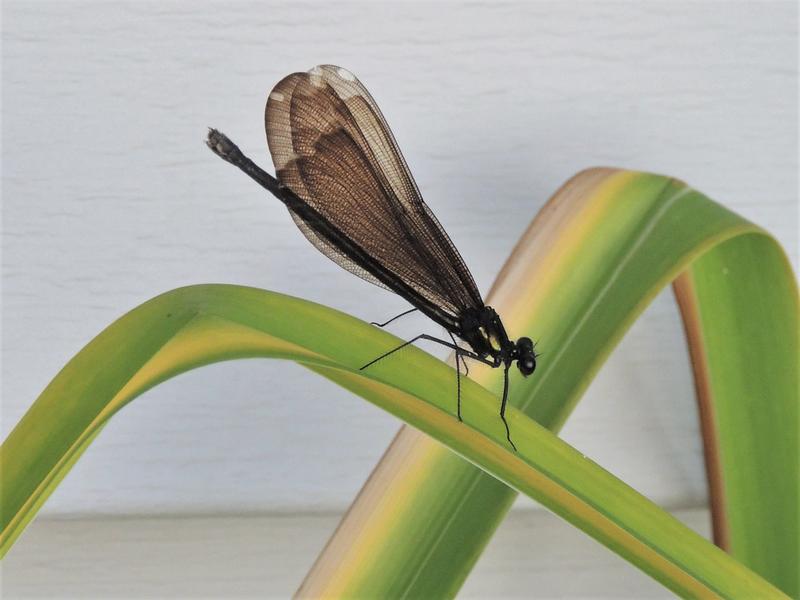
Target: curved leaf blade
<point>594,257</point>
<point>749,400</point>
<point>194,326</point>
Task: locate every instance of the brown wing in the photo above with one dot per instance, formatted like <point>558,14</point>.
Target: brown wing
<point>332,147</point>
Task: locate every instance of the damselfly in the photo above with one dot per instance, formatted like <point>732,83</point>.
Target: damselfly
<point>348,188</point>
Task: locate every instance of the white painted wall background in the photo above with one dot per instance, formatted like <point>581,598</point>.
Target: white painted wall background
<point>110,197</point>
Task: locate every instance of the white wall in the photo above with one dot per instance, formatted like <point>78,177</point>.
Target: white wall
<point>267,557</point>
<point>110,197</point>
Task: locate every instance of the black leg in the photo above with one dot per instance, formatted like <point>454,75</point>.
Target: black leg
<point>458,378</point>
<point>458,389</point>
<point>425,336</point>
<point>460,354</point>
<point>503,406</point>
<point>400,347</point>
<point>393,318</point>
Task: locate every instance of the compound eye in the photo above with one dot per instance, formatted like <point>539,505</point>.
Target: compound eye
<point>526,365</point>
<point>525,344</point>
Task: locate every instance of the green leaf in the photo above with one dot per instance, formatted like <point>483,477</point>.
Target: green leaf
<point>193,326</point>
<point>740,307</point>
<point>592,260</point>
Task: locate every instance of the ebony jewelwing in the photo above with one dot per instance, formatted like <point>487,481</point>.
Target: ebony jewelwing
<point>348,188</point>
